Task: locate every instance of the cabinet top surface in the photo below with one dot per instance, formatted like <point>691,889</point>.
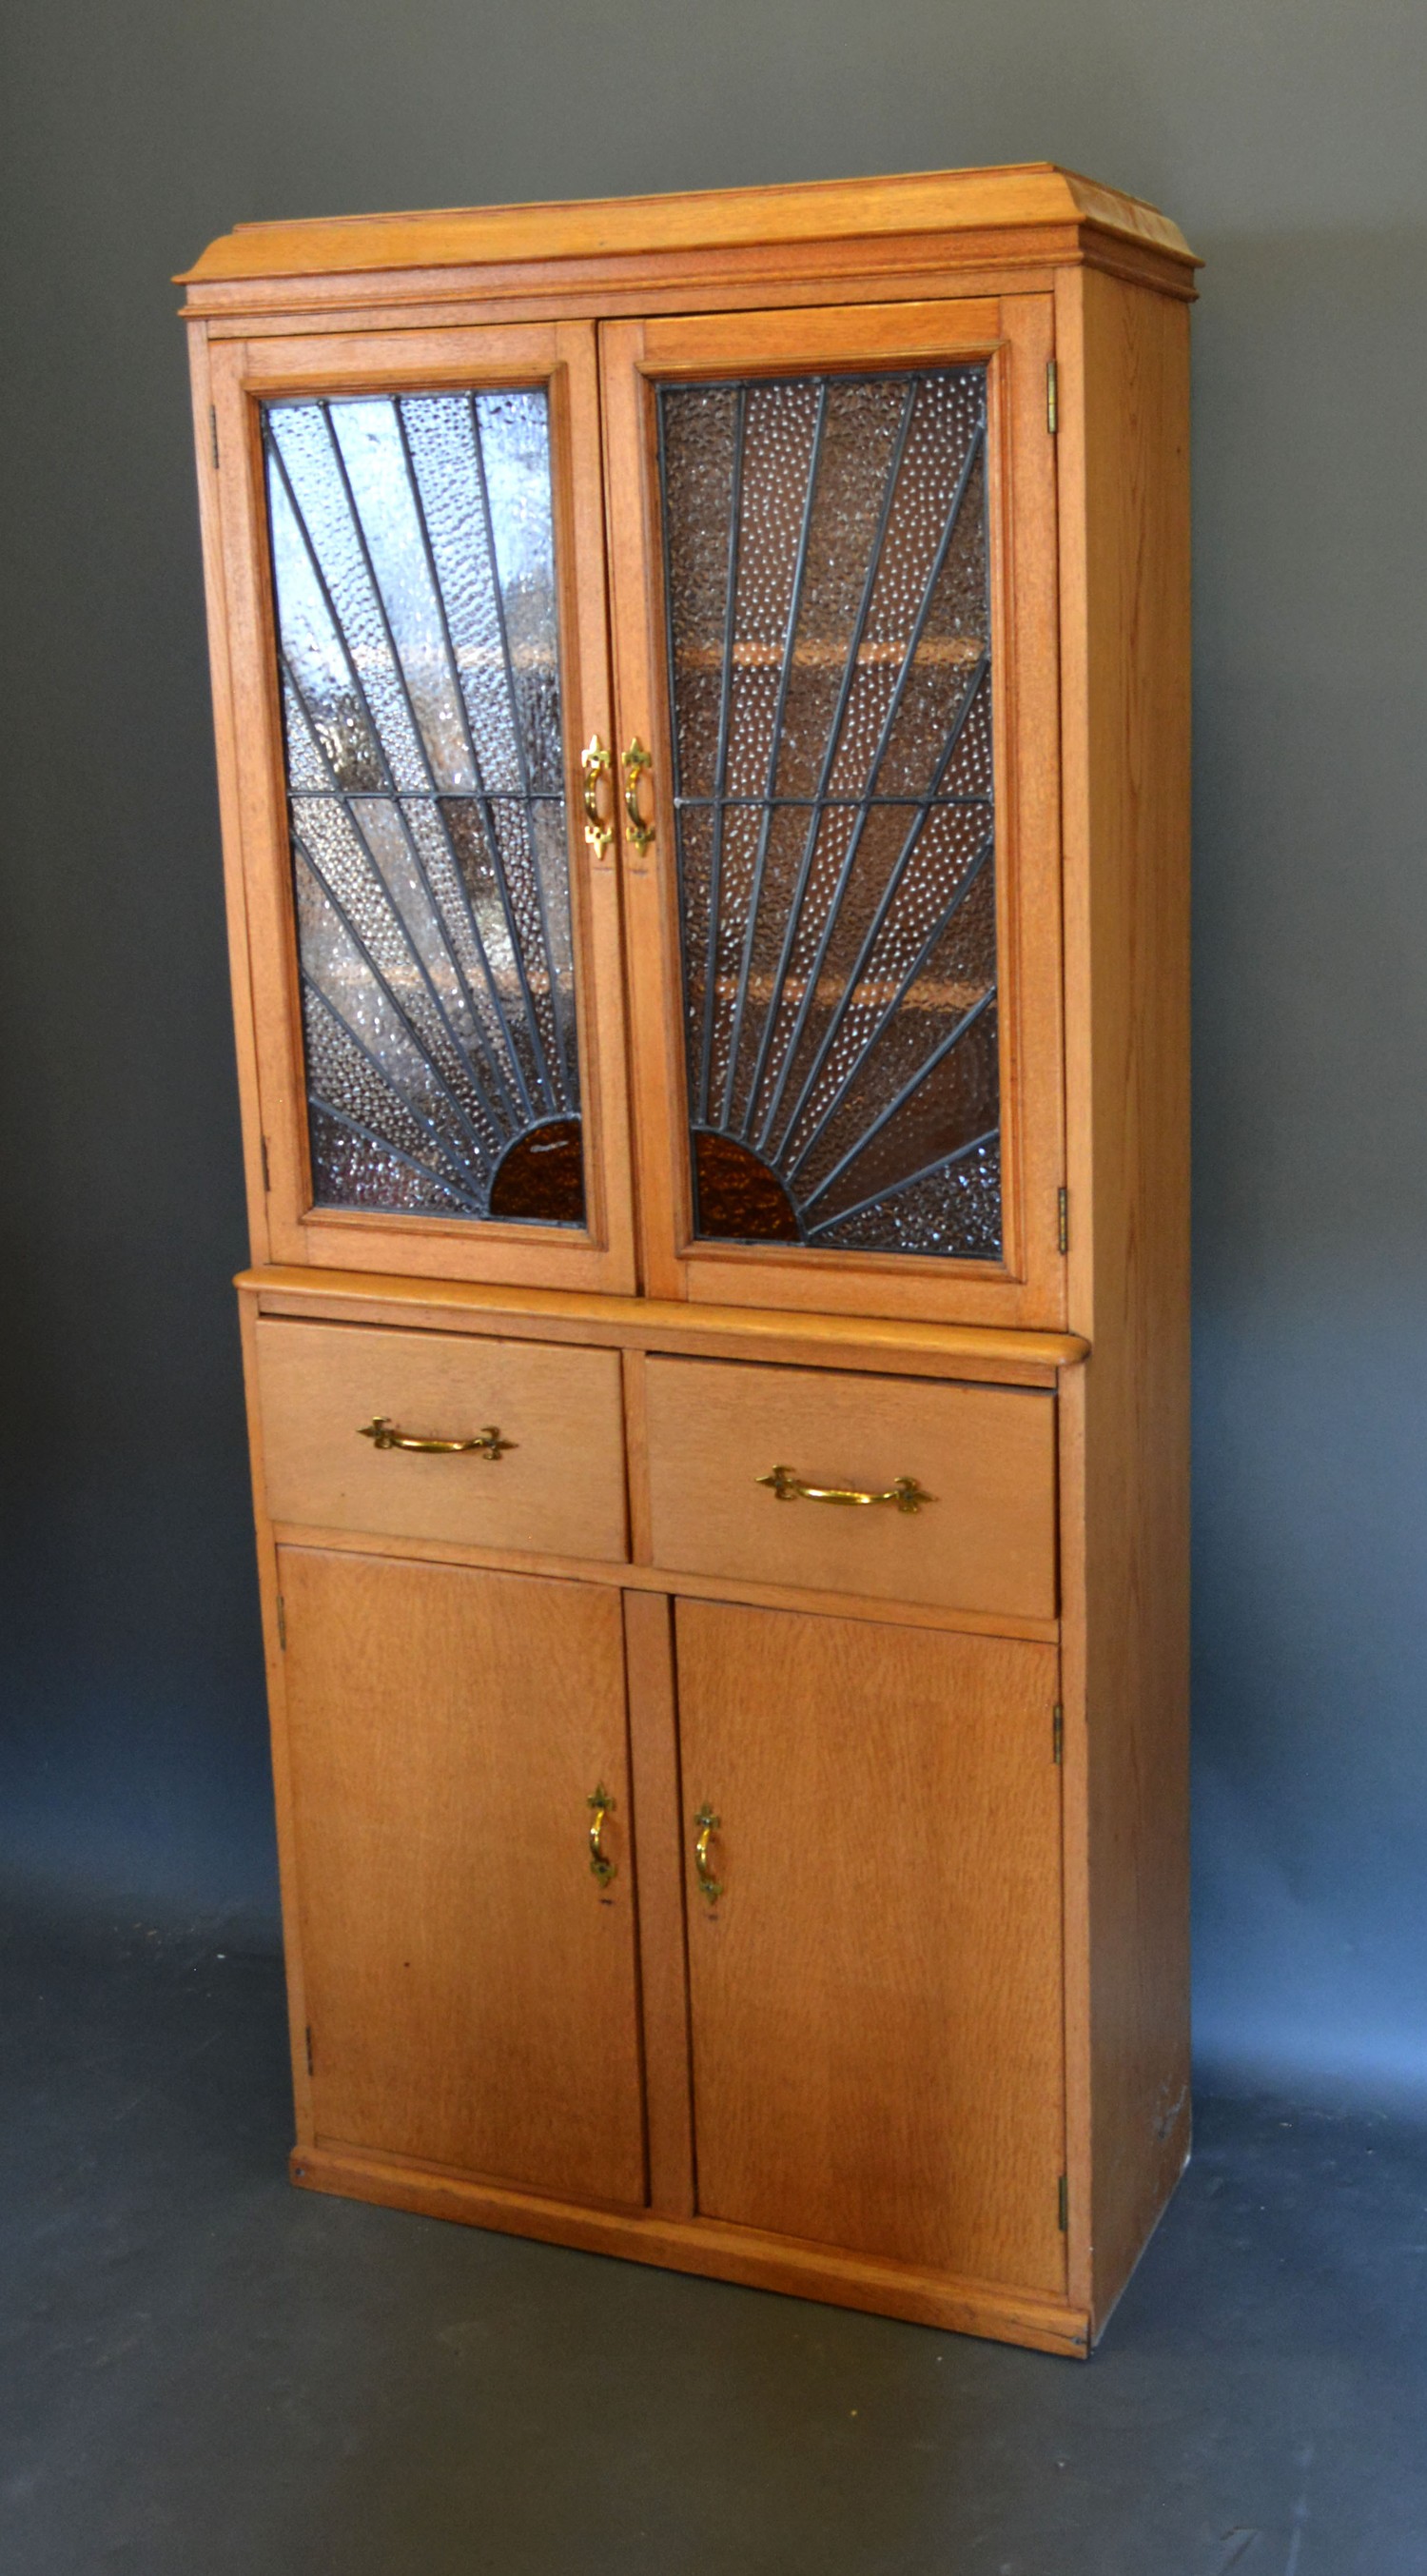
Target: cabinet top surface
<point>948,202</point>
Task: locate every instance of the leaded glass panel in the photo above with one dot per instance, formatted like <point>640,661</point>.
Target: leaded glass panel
<point>829,636</point>
<point>413,557</point>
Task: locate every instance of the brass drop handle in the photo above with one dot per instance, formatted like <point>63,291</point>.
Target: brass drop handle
<point>595,764</point>
<point>906,1493</point>
<point>385,1435</point>
<point>601,1805</point>
<point>708,1823</point>
<point>635,762</point>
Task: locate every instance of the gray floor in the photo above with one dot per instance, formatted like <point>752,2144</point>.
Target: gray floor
<point>202,2371</point>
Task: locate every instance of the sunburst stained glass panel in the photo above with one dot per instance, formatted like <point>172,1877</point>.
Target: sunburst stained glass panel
<point>413,557</point>
<point>829,637</point>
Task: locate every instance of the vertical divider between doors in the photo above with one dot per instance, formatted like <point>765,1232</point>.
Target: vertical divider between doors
<point>663,1961</point>
<point>655,1017</point>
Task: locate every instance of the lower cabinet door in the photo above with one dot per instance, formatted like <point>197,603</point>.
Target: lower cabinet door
<point>876,1988</point>
<point>470,1978</point>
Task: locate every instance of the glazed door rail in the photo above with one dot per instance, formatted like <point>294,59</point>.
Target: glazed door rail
<point>839,530</point>
<point>418,549</point>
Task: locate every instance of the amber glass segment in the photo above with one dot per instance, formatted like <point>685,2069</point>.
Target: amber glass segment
<point>540,1176</point>
<point>736,1195</point>
<point>830,663</point>
<point>413,557</point>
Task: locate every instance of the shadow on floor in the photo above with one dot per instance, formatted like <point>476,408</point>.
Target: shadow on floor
<point>204,2373</point>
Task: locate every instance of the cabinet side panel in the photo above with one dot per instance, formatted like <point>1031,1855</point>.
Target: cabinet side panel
<point>274,1659</point>
<point>208,463</point>
<point>1123,354</point>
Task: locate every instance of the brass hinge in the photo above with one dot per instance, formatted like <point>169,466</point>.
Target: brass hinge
<point>213,432</point>
<point>1064,2203</point>
<point>1052,412</point>
<point>310,2068</point>
<point>1057,1733</point>
<point>282,1623</point>
<point>267,1177</point>
<point>1062,1219</point>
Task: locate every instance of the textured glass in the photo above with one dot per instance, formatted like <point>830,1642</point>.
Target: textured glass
<point>414,573</point>
<point>829,636</point>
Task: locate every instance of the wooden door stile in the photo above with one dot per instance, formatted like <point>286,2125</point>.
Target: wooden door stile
<point>650,896</point>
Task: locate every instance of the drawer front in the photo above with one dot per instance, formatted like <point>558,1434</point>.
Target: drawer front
<point>983,1538</point>
<point>557,1489</point>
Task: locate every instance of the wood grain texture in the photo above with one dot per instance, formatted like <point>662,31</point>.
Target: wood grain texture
<point>901,1344</point>
<point>663,1969</point>
<point>884,2289</point>
<point>821,211</point>
<point>1014,339</point>
<point>274,1660</point>
<point>985,1455</point>
<point>670,1580</point>
<point>636,1455</point>
<point>1125,605</point>
<point>1008,260</point>
<point>876,1995</point>
<point>559,1489</point>
<point>946,1969</point>
<point>234,885</point>
<point>471,1988</point>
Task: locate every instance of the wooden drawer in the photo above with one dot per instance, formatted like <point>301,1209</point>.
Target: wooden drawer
<point>558,1489</point>
<point>984,1456</point>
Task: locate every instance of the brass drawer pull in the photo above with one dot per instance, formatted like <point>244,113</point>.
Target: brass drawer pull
<point>595,764</point>
<point>385,1435</point>
<point>907,1494</point>
<point>708,1823</point>
<point>635,762</point>
<point>601,1866</point>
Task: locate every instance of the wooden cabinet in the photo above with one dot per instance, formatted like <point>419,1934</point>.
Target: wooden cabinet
<point>701,698</point>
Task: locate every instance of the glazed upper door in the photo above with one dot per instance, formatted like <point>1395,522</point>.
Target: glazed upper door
<point>833,566</point>
<point>415,649</point>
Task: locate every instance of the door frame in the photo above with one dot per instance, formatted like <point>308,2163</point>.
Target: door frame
<point>561,356</point>
<point>1014,336</point>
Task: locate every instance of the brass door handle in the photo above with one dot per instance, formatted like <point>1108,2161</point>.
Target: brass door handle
<point>385,1435</point>
<point>635,762</point>
<point>708,1823</point>
<point>906,1493</point>
<point>601,1866</point>
<point>595,764</point>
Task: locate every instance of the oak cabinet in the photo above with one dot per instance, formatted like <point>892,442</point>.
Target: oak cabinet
<point>701,700</point>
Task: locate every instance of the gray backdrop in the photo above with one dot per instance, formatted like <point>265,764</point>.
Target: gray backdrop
<point>1289,137</point>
